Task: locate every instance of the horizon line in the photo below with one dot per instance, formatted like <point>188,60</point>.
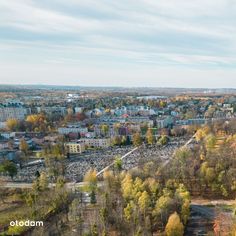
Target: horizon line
<point>114,86</point>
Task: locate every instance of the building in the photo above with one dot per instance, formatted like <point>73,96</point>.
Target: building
<point>7,135</point>
<point>197,121</point>
<point>75,147</point>
<point>72,129</point>
<point>3,125</point>
<point>78,109</point>
<point>11,111</point>
<point>164,123</point>
<point>8,155</point>
<point>56,110</point>
<point>3,144</point>
<point>97,142</point>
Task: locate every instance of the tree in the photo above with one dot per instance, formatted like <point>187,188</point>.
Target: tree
<point>123,140</point>
<point>43,181</point>
<point>93,199</point>
<point>13,124</point>
<point>144,201</point>
<point>94,230</point>
<point>163,140</point>
<point>210,142</point>
<point>144,128</point>
<point>190,114</point>
<point>80,116</point>
<point>91,179</point>
<point>201,133</point>
<point>104,128</point>
<point>116,141</point>
<point>9,168</point>
<point>127,186</point>
<point>163,207</point>
<point>24,147</point>
<point>174,226</point>
<point>118,164</point>
<point>2,192</point>
<point>150,137</point>
<point>128,210</point>
<point>137,139</point>
<point>36,122</point>
<point>16,230</point>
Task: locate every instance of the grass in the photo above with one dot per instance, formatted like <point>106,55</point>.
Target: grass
<point>227,208</point>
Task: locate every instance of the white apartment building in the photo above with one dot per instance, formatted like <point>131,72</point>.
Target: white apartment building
<point>18,113</point>
<point>3,145</point>
<point>8,135</point>
<point>67,130</point>
<point>52,110</point>
<point>78,109</point>
<point>97,142</point>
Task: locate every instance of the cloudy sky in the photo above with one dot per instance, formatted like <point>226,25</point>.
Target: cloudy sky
<point>161,43</point>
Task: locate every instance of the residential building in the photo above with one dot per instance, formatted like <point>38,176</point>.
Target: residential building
<point>75,147</point>
<point>97,142</point>
<point>72,129</point>
<point>11,111</point>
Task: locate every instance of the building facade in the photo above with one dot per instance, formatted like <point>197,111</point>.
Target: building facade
<point>75,147</point>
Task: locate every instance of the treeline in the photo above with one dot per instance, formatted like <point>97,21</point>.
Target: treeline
<point>208,168</point>
<point>130,203</point>
<point>34,123</point>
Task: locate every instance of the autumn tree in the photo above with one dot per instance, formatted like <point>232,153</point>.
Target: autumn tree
<point>80,116</point>
<point>43,181</point>
<point>174,226</point>
<point>116,141</point>
<point>24,147</point>
<point>104,129</point>
<point>13,124</point>
<point>91,184</point>
<point>150,137</point>
<point>137,139</point>
<point>118,164</point>
<point>163,140</point>
<point>36,122</point>
<point>144,201</point>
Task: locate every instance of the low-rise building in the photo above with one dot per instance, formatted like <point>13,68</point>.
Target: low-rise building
<point>72,129</point>
<point>3,144</point>
<point>97,142</point>
<point>7,135</point>
<point>58,110</point>
<point>10,155</point>
<point>75,147</point>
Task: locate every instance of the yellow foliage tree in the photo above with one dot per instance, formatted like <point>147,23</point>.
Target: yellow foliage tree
<point>174,226</point>
<point>12,124</point>
<point>150,137</point>
<point>137,139</point>
<point>144,201</point>
<point>127,186</point>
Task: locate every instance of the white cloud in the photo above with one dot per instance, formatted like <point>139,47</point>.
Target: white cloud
<point>26,15</point>
<point>116,34</point>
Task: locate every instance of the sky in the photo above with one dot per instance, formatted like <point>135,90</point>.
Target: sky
<point>147,43</point>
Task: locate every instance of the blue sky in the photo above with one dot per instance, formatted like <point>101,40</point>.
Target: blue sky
<point>161,43</point>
